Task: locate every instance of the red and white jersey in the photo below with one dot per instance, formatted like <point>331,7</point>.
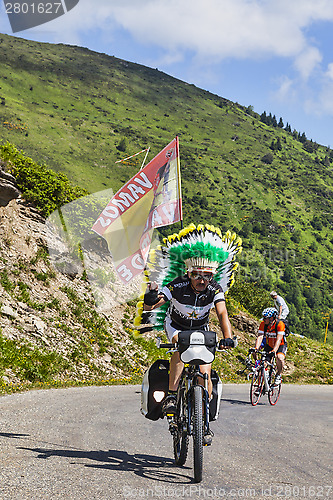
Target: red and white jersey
<point>271,332</point>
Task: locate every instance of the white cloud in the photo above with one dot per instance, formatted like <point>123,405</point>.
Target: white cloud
<point>286,91</point>
<point>239,28</point>
<point>307,61</point>
<point>214,28</point>
<point>326,100</point>
<point>208,32</point>
<point>320,104</point>
<point>211,30</point>
<point>228,27</point>
<point>329,72</point>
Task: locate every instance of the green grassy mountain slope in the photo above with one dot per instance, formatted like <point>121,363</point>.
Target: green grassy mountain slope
<point>79,111</point>
<point>52,335</point>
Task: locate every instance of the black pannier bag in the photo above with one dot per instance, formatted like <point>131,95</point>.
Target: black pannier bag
<point>197,347</point>
<point>214,403</point>
<point>155,386</point>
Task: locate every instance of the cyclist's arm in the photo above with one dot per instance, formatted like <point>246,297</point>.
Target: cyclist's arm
<point>278,307</point>
<point>280,312</point>
<point>261,334</point>
<point>259,340</point>
<point>158,304</point>
<point>222,315</point>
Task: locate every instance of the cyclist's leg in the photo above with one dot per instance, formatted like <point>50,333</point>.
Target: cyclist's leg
<point>176,369</point>
<point>279,362</point>
<point>280,358</point>
<point>176,365</point>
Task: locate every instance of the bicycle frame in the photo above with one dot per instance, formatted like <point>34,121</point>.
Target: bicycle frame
<point>266,366</point>
<point>192,418</point>
<point>189,379</point>
<point>262,379</point>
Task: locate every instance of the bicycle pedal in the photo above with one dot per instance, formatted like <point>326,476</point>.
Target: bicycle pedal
<point>172,426</point>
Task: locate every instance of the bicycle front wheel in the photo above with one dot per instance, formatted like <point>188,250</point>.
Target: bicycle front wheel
<point>256,387</point>
<point>180,435</point>
<point>198,433</point>
<point>274,392</point>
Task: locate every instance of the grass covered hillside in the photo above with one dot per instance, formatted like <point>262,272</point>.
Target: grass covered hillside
<point>52,335</point>
<point>78,112</point>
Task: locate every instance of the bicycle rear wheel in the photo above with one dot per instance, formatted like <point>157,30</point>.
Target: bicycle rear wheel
<point>256,387</point>
<point>274,392</point>
<point>180,435</point>
<point>198,433</point>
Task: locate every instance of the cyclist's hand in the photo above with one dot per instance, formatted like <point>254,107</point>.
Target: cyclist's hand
<point>151,295</point>
<point>227,343</point>
<point>153,285</point>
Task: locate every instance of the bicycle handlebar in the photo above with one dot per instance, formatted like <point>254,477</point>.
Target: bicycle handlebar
<point>260,351</point>
<point>220,343</point>
<point>167,346</point>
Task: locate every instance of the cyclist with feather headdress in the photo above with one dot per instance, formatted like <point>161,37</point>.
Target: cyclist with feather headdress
<point>188,276</point>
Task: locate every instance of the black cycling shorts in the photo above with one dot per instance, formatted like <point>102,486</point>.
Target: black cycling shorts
<point>283,349</point>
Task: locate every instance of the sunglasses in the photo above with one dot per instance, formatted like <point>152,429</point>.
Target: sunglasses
<point>203,276</point>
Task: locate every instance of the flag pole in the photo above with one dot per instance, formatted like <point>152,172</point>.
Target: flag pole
<point>326,333</point>
<point>179,184</point>
<point>136,154</point>
<point>144,161</point>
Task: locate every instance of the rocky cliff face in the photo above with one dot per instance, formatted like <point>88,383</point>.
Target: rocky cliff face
<point>51,310</point>
<point>8,187</point>
<point>54,311</point>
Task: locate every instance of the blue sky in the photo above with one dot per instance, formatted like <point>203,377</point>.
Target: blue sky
<point>275,55</point>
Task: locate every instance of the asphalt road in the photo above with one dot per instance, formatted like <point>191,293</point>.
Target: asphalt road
<point>93,443</point>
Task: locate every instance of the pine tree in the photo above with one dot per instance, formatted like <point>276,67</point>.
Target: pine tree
<point>303,138</point>
<point>263,117</point>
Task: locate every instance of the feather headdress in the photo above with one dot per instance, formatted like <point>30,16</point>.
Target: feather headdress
<point>194,247</point>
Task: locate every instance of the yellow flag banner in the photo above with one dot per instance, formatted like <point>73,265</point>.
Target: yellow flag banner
<point>151,199</point>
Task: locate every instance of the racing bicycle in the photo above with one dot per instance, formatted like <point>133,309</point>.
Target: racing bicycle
<point>263,378</point>
<point>192,417</point>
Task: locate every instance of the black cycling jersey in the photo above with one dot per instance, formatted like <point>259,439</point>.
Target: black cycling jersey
<point>189,309</point>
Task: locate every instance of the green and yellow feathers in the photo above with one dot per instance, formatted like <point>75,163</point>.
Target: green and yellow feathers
<point>193,247</point>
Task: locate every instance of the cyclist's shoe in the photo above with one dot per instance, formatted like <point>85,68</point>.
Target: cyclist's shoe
<point>208,438</point>
<point>169,406</point>
<point>278,380</point>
